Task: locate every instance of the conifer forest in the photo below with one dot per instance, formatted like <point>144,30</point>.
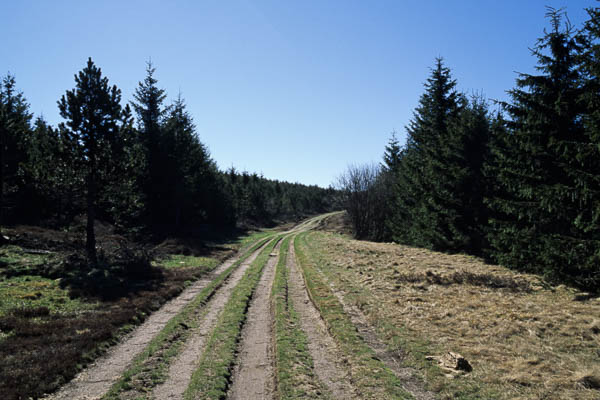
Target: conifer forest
<point>516,182</point>
<point>463,263</point>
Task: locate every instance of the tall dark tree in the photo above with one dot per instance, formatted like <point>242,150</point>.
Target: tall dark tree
<point>469,147</point>
<point>122,199</point>
<point>545,220</point>
<point>42,187</point>
<point>15,128</point>
<point>94,118</point>
<point>190,170</point>
<point>151,113</point>
<point>426,212</point>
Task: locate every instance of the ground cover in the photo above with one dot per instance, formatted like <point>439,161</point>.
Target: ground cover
<point>523,338</point>
<point>55,319</point>
<point>370,377</point>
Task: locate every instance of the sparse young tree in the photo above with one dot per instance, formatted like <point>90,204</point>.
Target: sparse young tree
<point>94,119</point>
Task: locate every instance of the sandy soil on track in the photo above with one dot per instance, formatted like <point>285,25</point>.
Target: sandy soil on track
<point>323,350</point>
<point>181,370</point>
<point>96,379</point>
<point>253,375</point>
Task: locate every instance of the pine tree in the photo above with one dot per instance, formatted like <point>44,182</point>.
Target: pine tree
<point>196,195</point>
<point>94,117</point>
<point>122,200</point>
<point>544,212</point>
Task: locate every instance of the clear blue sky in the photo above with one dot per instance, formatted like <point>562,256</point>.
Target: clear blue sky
<point>293,89</point>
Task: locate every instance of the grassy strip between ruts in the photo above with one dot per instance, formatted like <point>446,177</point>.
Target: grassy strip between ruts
<point>211,378</point>
<point>150,368</point>
<point>370,376</point>
<point>294,365</point>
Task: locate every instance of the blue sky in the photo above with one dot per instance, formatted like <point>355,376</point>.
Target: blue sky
<point>295,90</point>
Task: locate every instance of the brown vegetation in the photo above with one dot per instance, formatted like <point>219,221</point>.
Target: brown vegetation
<point>42,347</point>
<point>523,338</point>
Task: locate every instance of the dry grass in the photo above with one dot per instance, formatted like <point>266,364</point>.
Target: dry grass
<point>524,340</point>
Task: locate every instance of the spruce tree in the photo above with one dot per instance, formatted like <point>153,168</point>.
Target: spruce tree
<point>543,216</point>
<point>151,113</point>
<point>93,113</point>
<point>39,171</point>
<point>392,154</point>
<point>425,213</point>
<point>15,130</point>
<point>469,146</point>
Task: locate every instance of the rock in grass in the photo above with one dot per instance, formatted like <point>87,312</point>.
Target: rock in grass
<point>452,361</point>
<point>589,382</point>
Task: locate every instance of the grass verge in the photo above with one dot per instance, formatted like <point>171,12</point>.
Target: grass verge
<point>524,340</point>
<point>211,378</point>
<point>180,260</point>
<point>370,376</point>
<point>295,374</point>
<point>150,368</point>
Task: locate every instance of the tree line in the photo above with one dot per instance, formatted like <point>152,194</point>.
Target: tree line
<point>140,166</point>
<point>519,185</point>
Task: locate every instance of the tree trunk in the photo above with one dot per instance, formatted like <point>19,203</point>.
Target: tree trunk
<point>90,243</point>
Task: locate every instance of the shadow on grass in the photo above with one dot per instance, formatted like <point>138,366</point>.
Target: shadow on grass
<point>41,350</point>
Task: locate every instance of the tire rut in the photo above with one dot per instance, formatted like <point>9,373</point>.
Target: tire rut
<point>321,346</point>
<point>180,371</point>
<point>253,375</point>
<point>393,361</point>
<point>95,380</point>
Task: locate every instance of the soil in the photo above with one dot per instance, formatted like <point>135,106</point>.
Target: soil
<point>96,380</point>
<point>321,346</point>
<point>180,371</point>
<point>253,374</point>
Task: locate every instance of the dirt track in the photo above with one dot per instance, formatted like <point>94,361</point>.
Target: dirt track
<point>253,376</point>
<point>322,348</point>
<point>96,380</point>
<point>393,361</point>
<point>181,370</point>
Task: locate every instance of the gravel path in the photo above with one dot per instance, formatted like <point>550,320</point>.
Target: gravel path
<point>253,375</point>
<point>94,381</point>
<point>180,371</point>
